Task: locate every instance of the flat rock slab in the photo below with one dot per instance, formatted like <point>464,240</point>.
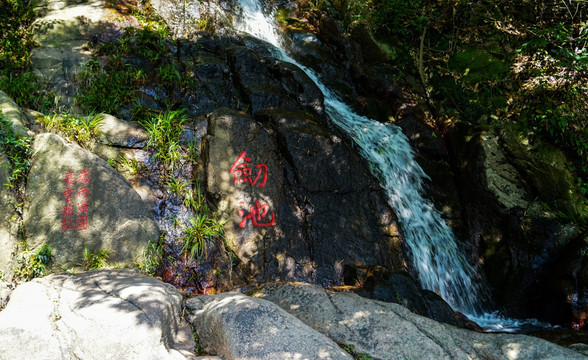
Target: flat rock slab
<point>238,327</point>
<point>105,314</point>
<point>75,200</point>
<point>389,331</point>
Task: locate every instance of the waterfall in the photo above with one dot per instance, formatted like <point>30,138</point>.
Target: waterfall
<point>436,257</point>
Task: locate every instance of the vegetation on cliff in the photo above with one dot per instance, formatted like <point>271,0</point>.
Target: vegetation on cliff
<point>494,64</point>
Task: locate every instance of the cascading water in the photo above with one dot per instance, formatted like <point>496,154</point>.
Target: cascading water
<point>440,264</point>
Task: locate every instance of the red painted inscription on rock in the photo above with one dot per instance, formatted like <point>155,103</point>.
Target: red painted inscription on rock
<point>70,218</point>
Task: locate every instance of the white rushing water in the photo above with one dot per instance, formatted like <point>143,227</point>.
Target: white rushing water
<point>435,255</point>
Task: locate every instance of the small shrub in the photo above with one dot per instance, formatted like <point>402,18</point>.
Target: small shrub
<point>15,36</point>
<point>19,152</point>
<point>26,90</point>
<point>108,89</point>
<point>32,265</point>
<point>95,259</point>
<point>203,228</point>
<point>152,257</point>
<point>164,136</point>
<point>81,129</point>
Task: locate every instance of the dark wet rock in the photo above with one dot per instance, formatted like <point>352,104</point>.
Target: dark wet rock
<point>389,331</point>
<point>100,211</point>
<point>378,284</point>
<point>260,89</point>
<point>299,86</point>
<point>101,314</point>
<point>8,223</point>
<point>208,77</point>
<point>526,249</point>
<point>238,327</point>
<point>323,210</point>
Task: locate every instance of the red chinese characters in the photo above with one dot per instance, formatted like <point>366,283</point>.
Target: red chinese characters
<point>259,214</point>
<point>242,173</point>
<point>256,214</point>
<point>70,218</point>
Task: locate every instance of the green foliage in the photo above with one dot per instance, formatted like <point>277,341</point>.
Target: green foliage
<point>402,18</point>
<point>32,265</point>
<point>95,259</point>
<point>113,87</point>
<point>16,42</point>
<point>110,88</point>
<point>18,151</point>
<point>194,200</point>
<point>133,166</point>
<point>351,350</point>
<point>554,95</point>
<point>26,90</point>
<point>164,136</point>
<point>475,65</point>
<point>176,186</point>
<point>203,228</point>
<point>81,129</point>
<point>169,75</point>
<point>15,36</point>
<point>152,257</point>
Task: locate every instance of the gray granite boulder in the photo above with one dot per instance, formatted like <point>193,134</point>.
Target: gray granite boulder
<point>389,331</point>
<point>104,314</point>
<point>75,200</point>
<point>239,327</point>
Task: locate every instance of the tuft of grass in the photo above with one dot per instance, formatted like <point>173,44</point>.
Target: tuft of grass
<point>32,265</point>
<point>164,136</point>
<point>108,89</point>
<point>194,199</point>
<point>203,228</point>
<point>95,259</point>
<point>351,350</point>
<point>81,129</point>
<point>18,151</point>
<point>26,90</point>
<point>133,166</point>
<point>176,186</point>
<point>169,75</point>
<point>152,257</point>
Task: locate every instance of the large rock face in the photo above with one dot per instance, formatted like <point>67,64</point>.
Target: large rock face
<point>106,314</point>
<point>299,203</point>
<point>389,331</point>
<point>238,327</point>
<point>75,200</point>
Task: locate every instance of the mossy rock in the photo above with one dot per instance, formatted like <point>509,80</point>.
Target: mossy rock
<point>546,168</point>
<point>477,65</point>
